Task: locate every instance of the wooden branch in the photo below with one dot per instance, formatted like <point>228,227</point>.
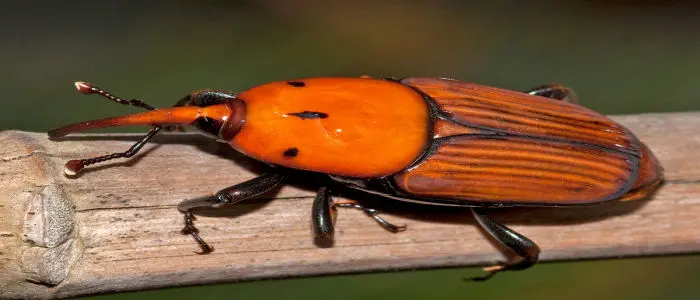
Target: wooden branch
<point>115,227</point>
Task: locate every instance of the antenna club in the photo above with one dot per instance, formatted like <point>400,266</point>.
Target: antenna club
<point>72,167</point>
<point>84,87</point>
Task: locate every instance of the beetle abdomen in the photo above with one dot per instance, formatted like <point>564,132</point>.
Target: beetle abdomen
<point>519,170</point>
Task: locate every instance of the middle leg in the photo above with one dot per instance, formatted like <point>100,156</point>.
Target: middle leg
<point>324,214</point>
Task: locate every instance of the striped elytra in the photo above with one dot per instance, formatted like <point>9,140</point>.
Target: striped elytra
<point>499,147</point>
<point>519,169</point>
<point>517,113</point>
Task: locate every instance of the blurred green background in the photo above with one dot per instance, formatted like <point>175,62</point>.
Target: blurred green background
<point>621,57</point>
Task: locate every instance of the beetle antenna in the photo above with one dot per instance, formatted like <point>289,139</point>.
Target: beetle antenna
<point>152,117</point>
<point>73,167</point>
<point>87,88</point>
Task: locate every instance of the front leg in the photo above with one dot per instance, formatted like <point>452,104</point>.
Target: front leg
<point>234,194</point>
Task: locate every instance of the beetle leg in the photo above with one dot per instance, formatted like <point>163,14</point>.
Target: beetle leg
<point>372,213</point>
<point>323,214</point>
<point>72,167</point>
<point>555,91</point>
<point>234,194</point>
<point>526,249</point>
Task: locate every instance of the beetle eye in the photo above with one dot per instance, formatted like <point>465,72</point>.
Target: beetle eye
<point>209,126</point>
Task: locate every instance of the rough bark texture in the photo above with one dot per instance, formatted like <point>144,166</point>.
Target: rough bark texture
<point>115,227</point>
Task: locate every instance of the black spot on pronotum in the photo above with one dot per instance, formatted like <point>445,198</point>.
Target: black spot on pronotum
<point>309,115</point>
<point>291,152</point>
<point>296,83</point>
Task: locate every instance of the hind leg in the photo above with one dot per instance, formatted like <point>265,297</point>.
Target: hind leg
<point>527,251</point>
<point>555,91</point>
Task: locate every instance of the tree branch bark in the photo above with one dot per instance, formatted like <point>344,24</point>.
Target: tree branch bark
<point>116,227</point>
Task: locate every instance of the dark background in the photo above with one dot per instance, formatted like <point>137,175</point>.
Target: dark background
<point>621,57</point>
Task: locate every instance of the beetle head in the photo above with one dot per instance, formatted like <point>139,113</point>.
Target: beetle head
<point>226,113</point>
<point>215,113</point>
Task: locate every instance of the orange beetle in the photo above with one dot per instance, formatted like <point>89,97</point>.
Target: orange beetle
<point>433,141</point>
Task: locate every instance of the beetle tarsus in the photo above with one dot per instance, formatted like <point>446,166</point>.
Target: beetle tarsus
<point>374,214</point>
<point>194,232</point>
<point>384,223</point>
<point>482,278</point>
<point>521,264</point>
